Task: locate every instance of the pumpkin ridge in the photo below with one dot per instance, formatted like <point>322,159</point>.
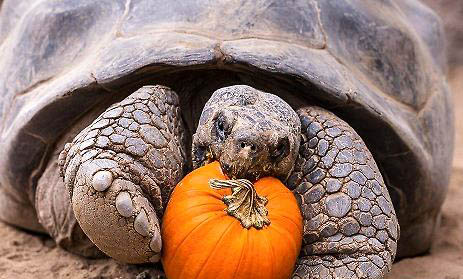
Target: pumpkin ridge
<point>276,209</point>
<point>243,250</point>
<point>189,233</point>
<point>267,185</point>
<point>202,196</point>
<point>204,204</point>
<point>272,254</point>
<point>168,222</point>
<point>203,192</point>
<point>276,217</point>
<point>232,222</point>
<point>285,235</point>
<point>277,195</point>
<point>280,262</point>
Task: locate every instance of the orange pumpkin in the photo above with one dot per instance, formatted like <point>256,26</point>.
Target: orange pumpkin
<point>202,240</point>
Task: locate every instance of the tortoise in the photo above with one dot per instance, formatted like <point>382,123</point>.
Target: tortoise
<point>345,101</point>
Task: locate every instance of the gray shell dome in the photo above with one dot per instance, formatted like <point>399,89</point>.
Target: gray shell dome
<point>379,65</point>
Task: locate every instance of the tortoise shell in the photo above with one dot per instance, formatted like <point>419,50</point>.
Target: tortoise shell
<point>380,66</point>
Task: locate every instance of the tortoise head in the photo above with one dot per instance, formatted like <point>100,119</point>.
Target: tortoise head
<point>251,133</point>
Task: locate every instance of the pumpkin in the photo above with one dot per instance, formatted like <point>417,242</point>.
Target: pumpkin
<point>219,228</point>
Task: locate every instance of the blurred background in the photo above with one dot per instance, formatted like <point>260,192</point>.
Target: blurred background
<point>38,256</point>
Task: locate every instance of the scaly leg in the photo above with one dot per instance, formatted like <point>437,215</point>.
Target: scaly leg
<point>121,169</point>
<point>350,226</point>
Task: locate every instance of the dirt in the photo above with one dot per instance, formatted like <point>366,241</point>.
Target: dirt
<point>26,255</point>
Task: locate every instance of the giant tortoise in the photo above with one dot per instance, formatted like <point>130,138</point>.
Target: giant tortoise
<point>344,101</point>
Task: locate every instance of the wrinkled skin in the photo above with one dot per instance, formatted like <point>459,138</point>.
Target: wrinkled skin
<point>121,169</point>
<point>250,133</point>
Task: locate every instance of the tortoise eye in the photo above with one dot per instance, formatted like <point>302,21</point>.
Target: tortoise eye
<point>221,127</point>
<point>281,149</point>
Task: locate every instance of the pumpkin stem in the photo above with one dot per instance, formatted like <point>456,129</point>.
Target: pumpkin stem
<point>244,203</point>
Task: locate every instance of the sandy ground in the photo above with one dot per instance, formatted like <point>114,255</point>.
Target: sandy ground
<point>23,255</point>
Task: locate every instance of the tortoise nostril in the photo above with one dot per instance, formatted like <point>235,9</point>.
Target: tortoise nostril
<point>243,144</point>
<point>226,167</point>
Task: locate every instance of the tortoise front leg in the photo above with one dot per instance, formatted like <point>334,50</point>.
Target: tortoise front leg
<point>350,226</point>
<point>120,171</point>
